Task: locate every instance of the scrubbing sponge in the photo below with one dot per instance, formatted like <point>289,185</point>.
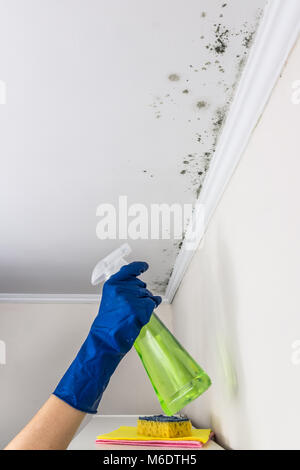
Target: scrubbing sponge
<point>164,426</point>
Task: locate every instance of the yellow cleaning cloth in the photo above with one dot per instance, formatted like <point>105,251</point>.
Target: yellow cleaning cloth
<point>129,433</point>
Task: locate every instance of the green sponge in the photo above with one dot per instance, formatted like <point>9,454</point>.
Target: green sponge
<point>164,426</point>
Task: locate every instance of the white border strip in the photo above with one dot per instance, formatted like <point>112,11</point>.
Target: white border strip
<point>50,298</point>
<point>276,35</point>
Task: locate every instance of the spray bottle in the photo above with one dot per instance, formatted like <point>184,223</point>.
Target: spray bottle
<point>176,378</point>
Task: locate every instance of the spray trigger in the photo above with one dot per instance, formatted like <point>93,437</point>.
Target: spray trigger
<point>110,264</point>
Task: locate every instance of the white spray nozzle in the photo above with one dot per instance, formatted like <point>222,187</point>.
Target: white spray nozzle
<point>110,264</point>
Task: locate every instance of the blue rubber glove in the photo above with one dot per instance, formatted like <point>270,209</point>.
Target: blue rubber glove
<point>126,306</point>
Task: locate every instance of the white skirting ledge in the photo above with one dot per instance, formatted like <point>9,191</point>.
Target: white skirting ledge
<point>53,298</point>
<point>50,298</point>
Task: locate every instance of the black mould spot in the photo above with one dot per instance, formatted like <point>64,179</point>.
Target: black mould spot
<point>201,104</point>
<point>219,119</point>
<point>183,172</point>
<point>185,91</point>
<point>224,5</point>
<point>173,77</point>
<point>221,39</point>
<point>203,14</point>
<point>221,34</point>
<point>198,190</point>
<point>248,39</point>
<point>241,64</point>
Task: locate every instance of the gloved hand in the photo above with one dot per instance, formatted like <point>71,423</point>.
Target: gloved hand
<point>126,306</point>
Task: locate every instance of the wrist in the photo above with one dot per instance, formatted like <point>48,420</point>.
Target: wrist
<point>84,382</point>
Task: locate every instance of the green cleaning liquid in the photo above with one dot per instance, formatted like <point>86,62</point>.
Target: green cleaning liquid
<point>176,378</point>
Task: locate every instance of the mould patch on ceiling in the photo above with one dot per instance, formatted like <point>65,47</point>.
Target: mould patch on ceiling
<point>158,286</point>
<point>222,36</point>
<point>201,104</point>
<point>210,86</point>
<point>248,39</point>
<point>196,162</point>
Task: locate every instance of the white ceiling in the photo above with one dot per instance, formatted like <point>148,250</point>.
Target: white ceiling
<point>91,114</point>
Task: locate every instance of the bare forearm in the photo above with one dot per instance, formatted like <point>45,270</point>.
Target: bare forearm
<point>126,306</point>
<point>53,427</point>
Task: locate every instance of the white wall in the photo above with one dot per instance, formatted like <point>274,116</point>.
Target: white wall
<point>41,341</point>
<point>238,308</point>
